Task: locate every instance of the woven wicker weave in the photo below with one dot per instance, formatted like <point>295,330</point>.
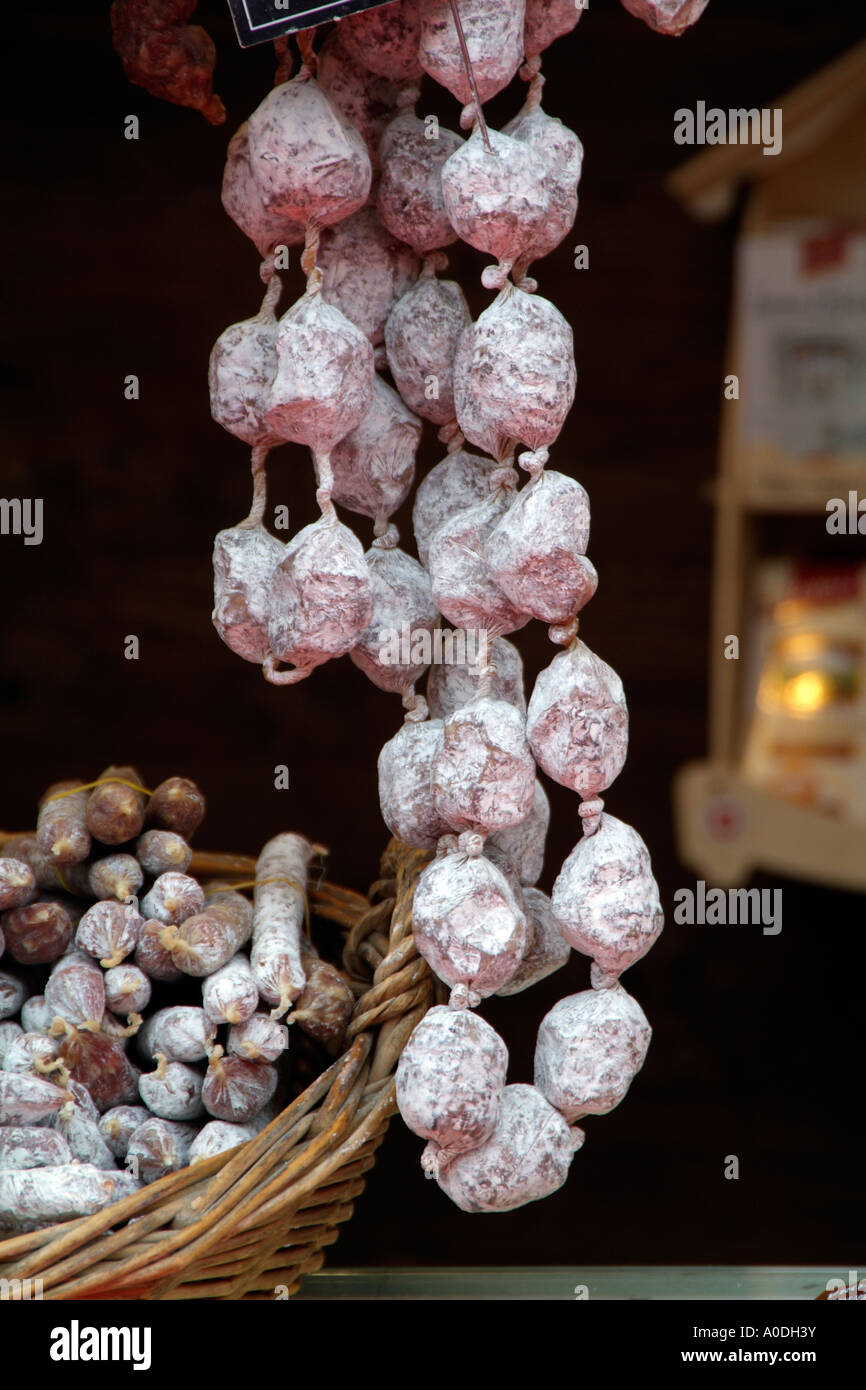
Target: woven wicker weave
<point>250,1223</point>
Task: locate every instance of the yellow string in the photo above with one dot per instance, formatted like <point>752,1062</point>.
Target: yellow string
<point>100,782</point>
<point>260,882</point>
<point>63,882</point>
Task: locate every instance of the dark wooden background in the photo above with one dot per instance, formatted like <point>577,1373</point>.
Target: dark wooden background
<point>119,259</point>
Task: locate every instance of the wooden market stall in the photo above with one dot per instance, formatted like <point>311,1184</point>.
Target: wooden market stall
<point>783,788</point>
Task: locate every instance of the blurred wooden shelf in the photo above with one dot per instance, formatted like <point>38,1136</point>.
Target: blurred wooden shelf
<point>558,1283</point>
<point>815,189</point>
<point>726,830</point>
<point>757,503</point>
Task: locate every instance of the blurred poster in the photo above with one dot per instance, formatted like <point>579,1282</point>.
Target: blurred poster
<point>806,738</point>
<point>801,355</point>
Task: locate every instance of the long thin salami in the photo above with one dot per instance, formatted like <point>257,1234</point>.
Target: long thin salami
<point>281,874</point>
<point>36,1197</point>
<point>25,1099</point>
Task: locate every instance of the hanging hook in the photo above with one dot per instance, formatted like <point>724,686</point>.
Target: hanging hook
<point>470,74</point>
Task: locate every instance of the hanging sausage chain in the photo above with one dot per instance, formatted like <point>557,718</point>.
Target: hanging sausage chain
<point>338,160</point>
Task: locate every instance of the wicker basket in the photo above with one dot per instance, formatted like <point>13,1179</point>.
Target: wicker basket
<point>251,1222</point>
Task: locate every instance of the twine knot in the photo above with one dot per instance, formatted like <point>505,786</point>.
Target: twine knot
<point>494,277</point>
<point>462,997</point>
<point>416,707</point>
<point>432,1160</point>
<point>600,978</point>
<point>451,435</point>
<point>432,264</point>
<point>590,813</point>
<point>533,461</point>
<point>563,634</point>
<point>505,477</point>
<point>386,534</point>
<point>470,843</point>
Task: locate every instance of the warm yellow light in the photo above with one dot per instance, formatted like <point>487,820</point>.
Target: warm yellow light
<point>807,692</point>
<point>800,646</point>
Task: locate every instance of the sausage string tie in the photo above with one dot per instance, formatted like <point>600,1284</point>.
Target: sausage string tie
<point>100,782</point>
